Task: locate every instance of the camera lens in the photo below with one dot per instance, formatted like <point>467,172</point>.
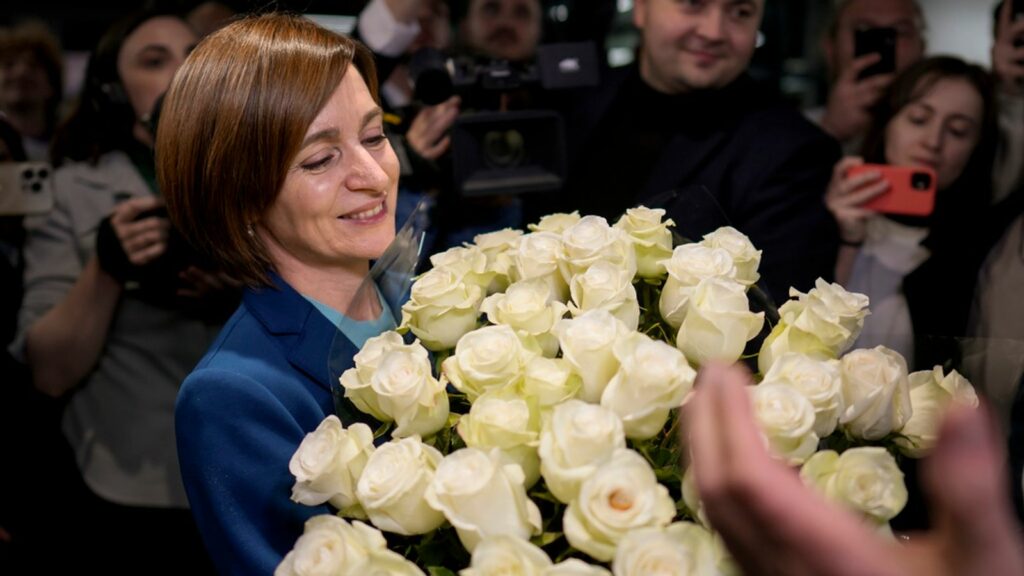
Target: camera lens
<point>503,149</point>
<point>921,181</point>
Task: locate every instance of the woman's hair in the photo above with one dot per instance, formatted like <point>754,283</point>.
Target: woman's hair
<point>103,118</point>
<point>971,192</point>
<point>35,38</point>
<point>233,121</point>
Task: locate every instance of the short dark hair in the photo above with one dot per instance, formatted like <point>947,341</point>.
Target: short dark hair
<point>234,119</point>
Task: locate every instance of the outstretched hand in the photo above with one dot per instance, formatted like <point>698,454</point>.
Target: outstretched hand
<point>773,524</point>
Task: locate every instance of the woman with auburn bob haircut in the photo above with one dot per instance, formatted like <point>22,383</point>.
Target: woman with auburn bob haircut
<point>272,155</point>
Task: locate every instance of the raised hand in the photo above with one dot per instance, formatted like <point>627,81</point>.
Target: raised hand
<point>848,111</point>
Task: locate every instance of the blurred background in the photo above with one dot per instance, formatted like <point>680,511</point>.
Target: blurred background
<point>789,53</point>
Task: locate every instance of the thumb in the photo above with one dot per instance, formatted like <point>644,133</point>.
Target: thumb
<point>966,481</point>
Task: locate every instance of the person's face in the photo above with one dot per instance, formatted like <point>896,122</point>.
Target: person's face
<point>149,57</point>
<point>337,206</point>
<point>861,14</point>
<point>23,81</point>
<point>940,129</point>
<point>696,44</point>
<point>435,27</point>
<point>508,29</point>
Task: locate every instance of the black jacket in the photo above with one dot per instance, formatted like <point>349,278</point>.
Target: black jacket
<point>735,156</point>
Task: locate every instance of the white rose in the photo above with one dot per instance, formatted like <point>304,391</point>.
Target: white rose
<point>528,306</point>
<point>688,266</point>
<point>680,549</point>
<point>537,256</point>
<point>328,464</point>
<point>876,393</point>
<point>606,286</point>
<point>785,339</point>
<point>392,486</point>
<point>503,555</point>
<point>586,342</point>
<point>817,380</point>
<point>592,240</point>
<point>822,323</point>
<point>329,546</point>
<point>832,314</point>
<point>499,247</point>
<point>550,381</point>
<point>558,222</point>
<point>652,380</point>
<point>574,567</point>
<point>866,480</point>
<point>719,322</point>
<point>931,393</point>
<point>368,358</point>
<point>745,257</point>
<point>577,439</point>
<point>623,495</point>
<point>787,420</point>
<point>441,308</point>
<point>468,263</point>
<point>652,240</point>
<point>691,496</point>
<point>482,496</point>
<point>507,424</point>
<point>402,389</point>
<point>388,563</point>
<point>486,359</point>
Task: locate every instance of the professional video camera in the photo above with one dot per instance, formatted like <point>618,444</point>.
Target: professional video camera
<point>494,150</point>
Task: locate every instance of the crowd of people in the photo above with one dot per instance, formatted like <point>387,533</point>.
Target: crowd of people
<point>222,183</point>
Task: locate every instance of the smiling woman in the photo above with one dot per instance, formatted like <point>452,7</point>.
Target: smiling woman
<point>272,155</point>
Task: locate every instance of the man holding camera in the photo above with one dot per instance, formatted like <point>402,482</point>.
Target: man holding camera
<point>857,81</point>
<point>688,130</point>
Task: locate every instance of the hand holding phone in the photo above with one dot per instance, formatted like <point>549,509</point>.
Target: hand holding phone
<point>881,41</point>
<point>911,189</point>
<point>25,188</point>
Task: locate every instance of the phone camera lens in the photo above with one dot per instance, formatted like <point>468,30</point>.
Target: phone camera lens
<point>27,174</point>
<point>43,173</point>
<point>37,187</point>
<point>921,181</point>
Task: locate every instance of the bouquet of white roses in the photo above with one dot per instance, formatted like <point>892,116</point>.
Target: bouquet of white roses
<point>528,410</point>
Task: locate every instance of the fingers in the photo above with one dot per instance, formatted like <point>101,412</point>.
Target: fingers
<point>141,239</point>
<point>428,133</point>
<point>130,209</point>
<point>965,474</point>
<point>965,478</point>
<point>859,64</point>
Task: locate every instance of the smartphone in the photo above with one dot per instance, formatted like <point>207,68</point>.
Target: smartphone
<point>881,41</point>
<point>1016,14</point>
<point>25,188</point>
<point>911,189</point>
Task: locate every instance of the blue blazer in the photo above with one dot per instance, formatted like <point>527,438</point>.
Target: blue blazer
<point>263,385</point>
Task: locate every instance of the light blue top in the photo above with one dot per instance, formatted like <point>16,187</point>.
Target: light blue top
<point>358,332</point>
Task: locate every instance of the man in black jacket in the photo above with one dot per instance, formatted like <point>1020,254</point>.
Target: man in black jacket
<point>686,129</point>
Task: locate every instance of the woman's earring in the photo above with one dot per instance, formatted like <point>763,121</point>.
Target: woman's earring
<point>250,231</point>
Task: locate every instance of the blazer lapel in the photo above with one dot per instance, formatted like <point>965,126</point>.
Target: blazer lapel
<point>311,343</point>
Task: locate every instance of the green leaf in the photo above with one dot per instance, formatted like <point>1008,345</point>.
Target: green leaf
<point>545,538</point>
<point>439,571</point>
